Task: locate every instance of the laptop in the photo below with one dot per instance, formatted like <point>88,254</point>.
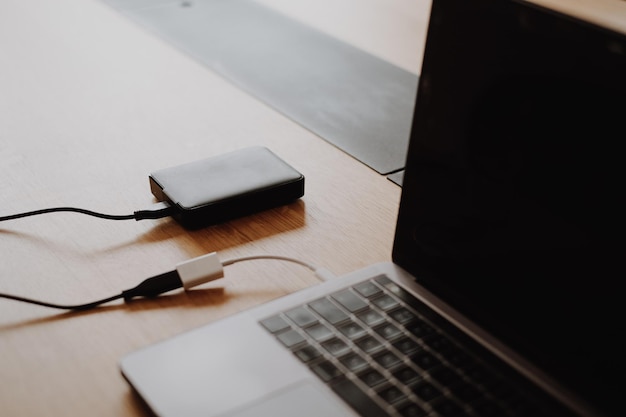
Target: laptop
<point>503,297</point>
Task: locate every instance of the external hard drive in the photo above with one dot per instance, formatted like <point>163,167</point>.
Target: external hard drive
<point>227,186</point>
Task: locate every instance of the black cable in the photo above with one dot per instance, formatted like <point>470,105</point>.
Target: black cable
<point>72,209</point>
<point>187,274</point>
<point>163,210</point>
<point>150,287</point>
<point>60,306</point>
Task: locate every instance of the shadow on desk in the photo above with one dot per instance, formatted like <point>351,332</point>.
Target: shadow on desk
<point>135,401</point>
<point>230,234</point>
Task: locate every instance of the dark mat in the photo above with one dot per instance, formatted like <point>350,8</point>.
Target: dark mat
<point>360,103</point>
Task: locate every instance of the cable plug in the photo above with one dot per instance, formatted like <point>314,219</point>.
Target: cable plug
<point>187,274</point>
<point>157,211</point>
<point>200,270</point>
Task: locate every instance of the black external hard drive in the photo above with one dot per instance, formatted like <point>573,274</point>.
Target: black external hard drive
<point>224,187</point>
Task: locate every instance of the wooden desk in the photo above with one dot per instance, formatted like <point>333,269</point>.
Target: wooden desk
<point>90,104</point>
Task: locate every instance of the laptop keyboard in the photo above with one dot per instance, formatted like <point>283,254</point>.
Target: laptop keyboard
<point>375,350</point>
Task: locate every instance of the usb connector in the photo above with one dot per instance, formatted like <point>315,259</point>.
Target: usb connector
<point>188,274</point>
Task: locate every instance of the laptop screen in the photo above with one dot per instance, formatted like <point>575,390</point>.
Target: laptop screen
<point>511,207</point>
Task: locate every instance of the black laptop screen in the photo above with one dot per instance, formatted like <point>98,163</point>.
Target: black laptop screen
<point>512,206</point>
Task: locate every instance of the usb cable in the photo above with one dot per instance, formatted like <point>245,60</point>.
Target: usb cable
<point>158,211</point>
<point>188,274</point>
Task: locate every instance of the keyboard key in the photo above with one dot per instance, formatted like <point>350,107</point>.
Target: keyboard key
<point>325,308</point>
<point>369,344</point>
<point>393,288</point>
<point>370,317</point>
<point>275,324</point>
<point>290,338</point>
<point>307,353</point>
<point>402,315</point>
<point>425,360</point>
<point>326,371</point>
<point>388,331</point>
<point>336,347</point>
<point>425,390</point>
<point>371,377</point>
<point>406,375</point>
<point>319,332</point>
<point>387,359</point>
<point>352,330</point>
<point>368,289</point>
<point>420,329</point>
<point>301,316</point>
<point>406,345</point>
<point>391,394</point>
<point>353,362</point>
<point>438,342</point>
<point>411,410</point>
<point>349,300</point>
<point>385,302</point>
<point>383,280</point>
<point>357,399</point>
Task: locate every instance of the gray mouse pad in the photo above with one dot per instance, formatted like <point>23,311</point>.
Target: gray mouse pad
<point>359,103</point>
